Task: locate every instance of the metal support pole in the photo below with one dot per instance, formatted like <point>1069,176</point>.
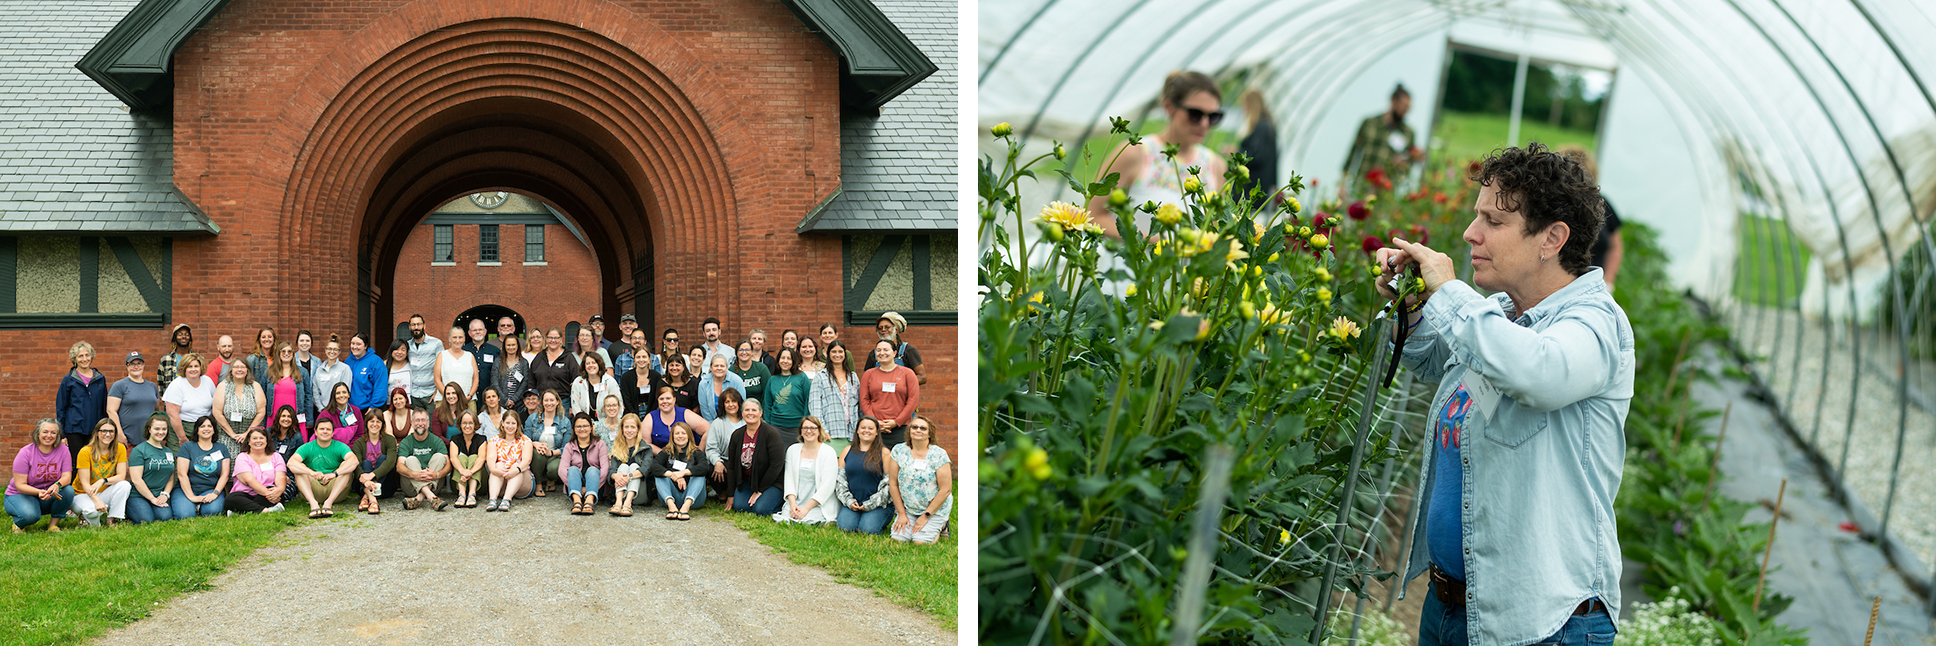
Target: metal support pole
<point>1373,370</point>
<point>1519,101</point>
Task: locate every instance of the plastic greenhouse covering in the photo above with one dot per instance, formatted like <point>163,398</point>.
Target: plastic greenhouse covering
<point>1818,116</point>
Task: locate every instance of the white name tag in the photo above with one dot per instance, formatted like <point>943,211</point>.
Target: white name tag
<point>302,418</point>
<point>919,465</point>
<point>349,418</point>
<point>598,387</point>
<point>887,386</point>
<point>235,417</point>
<point>1483,393</point>
<point>806,463</point>
<point>678,465</point>
<point>215,456</point>
<point>490,358</point>
<point>645,390</point>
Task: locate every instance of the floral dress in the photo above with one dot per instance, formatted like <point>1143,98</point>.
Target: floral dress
<point>919,483</point>
<point>235,402</point>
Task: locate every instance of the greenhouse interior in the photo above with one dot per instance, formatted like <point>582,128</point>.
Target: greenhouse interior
<point>1774,162</point>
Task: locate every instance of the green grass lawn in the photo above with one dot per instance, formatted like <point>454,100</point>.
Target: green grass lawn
<point>1470,135</point>
<point>72,586</point>
<point>922,577</point>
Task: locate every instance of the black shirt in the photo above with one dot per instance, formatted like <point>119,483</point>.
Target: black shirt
<point>1605,242</point>
<point>552,375</point>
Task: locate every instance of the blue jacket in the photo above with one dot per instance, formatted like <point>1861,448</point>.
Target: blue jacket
<point>369,377</point>
<point>533,430</point>
<point>1541,454</point>
<point>79,407</point>
<point>709,404</point>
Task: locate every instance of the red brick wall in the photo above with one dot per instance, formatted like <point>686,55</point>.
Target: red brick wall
<point>564,289</point>
<point>721,118</point>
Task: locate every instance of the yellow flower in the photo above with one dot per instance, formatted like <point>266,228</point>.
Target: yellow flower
<point>1068,216</point>
<point>1002,129</point>
<point>1304,231</point>
<point>1130,290</point>
<point>1203,323</point>
<point>1245,308</point>
<point>1236,253</point>
<point>1169,214</point>
<point>1257,232</point>
<point>1319,241</point>
<point>1257,271</point>
<point>1273,316</point>
<point>1272,258</point>
<point>1295,206</point>
<point>1322,274</point>
<point>1192,185</point>
<point>1199,288</point>
<point>1344,329</point>
<point>1283,537</point>
<point>1035,300</point>
<point>1037,463</point>
<point>1324,294</point>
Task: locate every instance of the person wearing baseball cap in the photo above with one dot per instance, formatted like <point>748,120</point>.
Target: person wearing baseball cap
<point>598,331</point>
<point>133,399</point>
<point>181,342</point>
<point>622,351</point>
<point>890,326</point>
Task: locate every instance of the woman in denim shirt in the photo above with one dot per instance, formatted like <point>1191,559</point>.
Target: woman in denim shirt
<point>1516,524</point>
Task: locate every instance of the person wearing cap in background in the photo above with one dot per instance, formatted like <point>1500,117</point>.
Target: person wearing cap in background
<point>890,326</point>
<point>714,347</point>
<point>622,351</point>
<point>132,399</point>
<point>488,357</point>
<point>181,342</point>
<point>82,400</point>
<point>598,331</point>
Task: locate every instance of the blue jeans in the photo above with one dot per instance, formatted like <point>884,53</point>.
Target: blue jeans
<point>179,503</point>
<point>865,522</point>
<point>769,503</point>
<point>579,479</point>
<point>141,511</point>
<point>695,490</point>
<point>27,510</point>
<point>1439,625</point>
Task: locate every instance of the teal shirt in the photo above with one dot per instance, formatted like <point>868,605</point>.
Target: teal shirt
<point>785,400</point>
<point>157,465</point>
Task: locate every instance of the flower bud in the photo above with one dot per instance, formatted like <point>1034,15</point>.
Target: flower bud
<point>1243,172</point>
<point>1169,214</point>
<point>1320,241</point>
<point>1053,231</point>
<point>1322,274</point>
<point>1130,290</point>
<point>1324,294</point>
<point>1059,152</point>
<point>1192,185</point>
<point>1117,198</point>
<point>1293,203</point>
<point>1304,232</point>
<point>1002,129</point>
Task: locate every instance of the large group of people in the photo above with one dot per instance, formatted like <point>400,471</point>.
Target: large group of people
<point>800,433</point>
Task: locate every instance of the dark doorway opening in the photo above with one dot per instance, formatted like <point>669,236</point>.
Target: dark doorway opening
<point>490,315</point>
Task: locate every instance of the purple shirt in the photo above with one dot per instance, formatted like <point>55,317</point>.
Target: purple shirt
<point>265,474</point>
<point>42,469</point>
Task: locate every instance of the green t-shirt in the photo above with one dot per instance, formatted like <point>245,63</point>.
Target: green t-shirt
<point>323,459</point>
<point>157,465</point>
<point>409,447</point>
<point>755,378</point>
<point>786,400</point>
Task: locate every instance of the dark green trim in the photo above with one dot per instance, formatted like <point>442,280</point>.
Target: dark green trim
<point>487,218</point>
<point>9,271</point>
<point>82,321</point>
<point>914,318</point>
<point>870,278</point>
<point>167,278</point>
<point>818,211</point>
<point>878,62</point>
<point>144,282</point>
<point>923,288</point>
<point>90,274</point>
<point>131,61</point>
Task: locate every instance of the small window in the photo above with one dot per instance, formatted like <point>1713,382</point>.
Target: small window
<point>441,251</point>
<point>487,243</point>
<point>534,243</point>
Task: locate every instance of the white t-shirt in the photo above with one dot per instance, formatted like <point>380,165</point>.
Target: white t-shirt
<point>195,402</point>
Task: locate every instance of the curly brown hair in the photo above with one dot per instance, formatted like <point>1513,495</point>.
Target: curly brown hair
<point>1546,187</point>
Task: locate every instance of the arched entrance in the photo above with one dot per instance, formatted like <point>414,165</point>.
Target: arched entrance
<point>490,314</point>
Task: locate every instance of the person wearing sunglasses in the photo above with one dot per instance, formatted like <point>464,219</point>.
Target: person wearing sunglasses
<point>1194,105</point>
<point>1384,141</point>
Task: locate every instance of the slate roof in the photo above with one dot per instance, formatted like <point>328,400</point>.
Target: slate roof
<point>72,157</point>
<point>899,170</point>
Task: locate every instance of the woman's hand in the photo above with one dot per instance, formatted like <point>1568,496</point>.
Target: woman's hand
<point>919,522</point>
<point>1436,268</point>
<point>900,522</point>
<point>854,506</point>
<point>797,512</point>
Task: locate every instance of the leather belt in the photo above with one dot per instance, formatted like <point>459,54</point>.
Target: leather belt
<point>1451,592</point>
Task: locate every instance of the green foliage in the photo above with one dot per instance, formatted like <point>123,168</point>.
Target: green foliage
<point>1104,384</point>
<point>1376,629</point>
<point>1481,83</point>
<point>1769,267</point>
<point>1668,622</point>
<point>1471,135</point>
<point>79,583</point>
<point>923,577</point>
<point>1916,303</point>
<point>1694,547</point>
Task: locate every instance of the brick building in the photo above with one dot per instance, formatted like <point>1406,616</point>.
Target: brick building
<point>773,163</point>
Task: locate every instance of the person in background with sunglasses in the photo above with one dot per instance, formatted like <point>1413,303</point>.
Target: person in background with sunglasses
<point>1384,141</point>
<point>1194,105</point>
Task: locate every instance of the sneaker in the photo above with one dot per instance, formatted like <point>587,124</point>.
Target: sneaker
<point>230,512</point>
<point>271,510</point>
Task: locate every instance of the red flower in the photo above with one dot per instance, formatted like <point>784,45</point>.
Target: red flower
<point>1474,166</point>
<point>1377,178</point>
<point>1357,210</point>
<point>1371,245</point>
<point>1438,197</point>
<point>1420,234</point>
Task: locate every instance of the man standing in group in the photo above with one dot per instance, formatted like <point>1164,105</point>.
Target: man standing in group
<point>634,384</point>
<point>890,326</point>
<point>1384,141</point>
<point>622,351</point>
<point>505,327</point>
<point>184,343</point>
<point>713,347</point>
<point>218,367</point>
<point>423,357</point>
<point>422,460</point>
<point>487,357</point>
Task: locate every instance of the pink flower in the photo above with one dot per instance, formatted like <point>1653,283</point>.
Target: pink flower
<point>1371,245</point>
<point>1357,210</point>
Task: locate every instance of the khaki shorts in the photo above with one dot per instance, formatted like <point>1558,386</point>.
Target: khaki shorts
<point>411,486</point>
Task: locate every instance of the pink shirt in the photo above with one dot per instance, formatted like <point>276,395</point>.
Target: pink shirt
<point>265,474</point>
<point>42,469</point>
<point>286,393</point>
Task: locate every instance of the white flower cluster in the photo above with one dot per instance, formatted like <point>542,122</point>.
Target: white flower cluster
<point>1668,622</point>
<point>1377,629</point>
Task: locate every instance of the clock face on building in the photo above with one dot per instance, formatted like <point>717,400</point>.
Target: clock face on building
<point>490,200</point>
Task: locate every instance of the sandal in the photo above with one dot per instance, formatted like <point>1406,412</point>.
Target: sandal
<point>363,504</point>
<point>685,516</point>
<point>315,513</point>
<point>626,513</point>
<point>375,507</point>
<point>540,492</point>
<point>672,515</point>
<point>328,512</point>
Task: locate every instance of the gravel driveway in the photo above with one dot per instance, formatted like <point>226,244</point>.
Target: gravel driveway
<point>536,575</point>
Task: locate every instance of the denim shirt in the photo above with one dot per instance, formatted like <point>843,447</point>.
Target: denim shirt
<point>1542,466</point>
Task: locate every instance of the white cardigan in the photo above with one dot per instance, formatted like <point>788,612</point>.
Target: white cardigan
<point>823,486</point>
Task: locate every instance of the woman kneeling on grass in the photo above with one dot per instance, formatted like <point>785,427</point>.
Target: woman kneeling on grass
<point>679,472</point>
<point>101,478</point>
<point>583,464</point>
<point>261,477</point>
<point>925,483</point>
<point>510,454</point>
<point>42,473</point>
<point>863,496</point>
<point>809,476</point>
<point>629,461</point>
<point>151,467</point>
<point>203,468</point>
<point>467,470</point>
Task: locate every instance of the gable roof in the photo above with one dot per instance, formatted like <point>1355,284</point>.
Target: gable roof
<point>899,168</point>
<point>73,159</point>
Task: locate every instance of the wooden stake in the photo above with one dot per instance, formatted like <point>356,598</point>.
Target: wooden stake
<point>1680,415</point>
<point>1874,609</point>
<point>1714,464</point>
<point>1675,373</point>
<point>1770,550</point>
